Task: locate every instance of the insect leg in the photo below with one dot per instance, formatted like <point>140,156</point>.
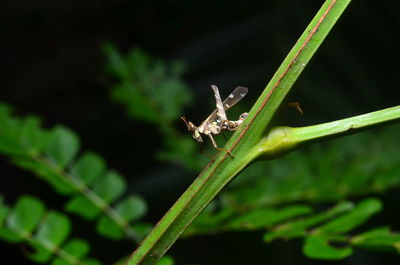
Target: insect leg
<point>213,141</point>
<point>216,146</point>
<point>296,105</point>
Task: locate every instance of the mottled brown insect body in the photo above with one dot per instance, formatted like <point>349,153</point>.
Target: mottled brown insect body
<point>218,121</point>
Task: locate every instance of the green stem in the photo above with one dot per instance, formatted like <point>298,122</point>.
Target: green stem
<point>82,188</point>
<point>224,168</point>
<point>284,139</point>
<point>60,253</point>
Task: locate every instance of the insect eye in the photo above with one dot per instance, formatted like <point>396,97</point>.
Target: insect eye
<point>243,116</point>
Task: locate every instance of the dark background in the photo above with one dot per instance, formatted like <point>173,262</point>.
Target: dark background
<point>52,66</point>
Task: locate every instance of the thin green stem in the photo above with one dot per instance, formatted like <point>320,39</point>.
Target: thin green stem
<point>284,139</point>
<point>78,185</point>
<point>60,253</point>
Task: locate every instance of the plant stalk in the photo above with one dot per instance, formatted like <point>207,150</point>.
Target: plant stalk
<point>224,167</point>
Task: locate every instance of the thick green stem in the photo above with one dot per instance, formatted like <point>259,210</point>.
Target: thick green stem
<point>225,167</point>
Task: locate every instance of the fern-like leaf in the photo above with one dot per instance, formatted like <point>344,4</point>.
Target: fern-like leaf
<point>46,232</point>
<point>53,155</point>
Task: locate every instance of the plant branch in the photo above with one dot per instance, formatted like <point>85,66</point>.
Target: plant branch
<point>82,188</point>
<point>284,139</point>
<point>224,168</point>
<point>58,252</point>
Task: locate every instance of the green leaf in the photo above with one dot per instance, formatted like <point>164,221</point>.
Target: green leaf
<point>89,167</point>
<point>106,227</point>
<point>166,260</point>
<point>298,228</point>
<point>25,215</point>
<point>32,137</point>
<point>131,208</point>
<point>317,247</point>
<point>53,230</point>
<point>6,233</point>
<point>378,239</point>
<point>62,146</point>
<point>40,254</point>
<point>77,247</point>
<point>116,64</point>
<point>361,213</point>
<point>10,235</point>
<point>110,187</point>
<point>82,206</point>
<point>266,217</point>
<point>8,133</point>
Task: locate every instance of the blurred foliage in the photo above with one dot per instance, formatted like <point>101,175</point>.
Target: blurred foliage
<point>320,229</point>
<point>353,166</point>
<point>277,196</point>
<point>53,156</point>
<point>362,164</point>
<point>153,91</point>
<point>45,232</point>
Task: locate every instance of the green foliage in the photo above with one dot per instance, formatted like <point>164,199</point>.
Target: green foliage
<point>318,247</point>
<point>356,165</point>
<point>53,155</point>
<point>46,232</point>
<point>323,173</point>
<point>62,146</point>
<point>298,227</point>
<point>167,260</point>
<point>267,196</point>
<point>378,239</point>
<point>354,218</point>
<point>319,229</point>
<point>153,91</point>
<point>260,218</point>
<point>317,244</point>
<point>250,201</point>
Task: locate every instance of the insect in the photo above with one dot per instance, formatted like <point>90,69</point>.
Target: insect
<point>218,121</point>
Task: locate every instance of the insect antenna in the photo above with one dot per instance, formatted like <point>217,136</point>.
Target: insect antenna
<point>186,122</point>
